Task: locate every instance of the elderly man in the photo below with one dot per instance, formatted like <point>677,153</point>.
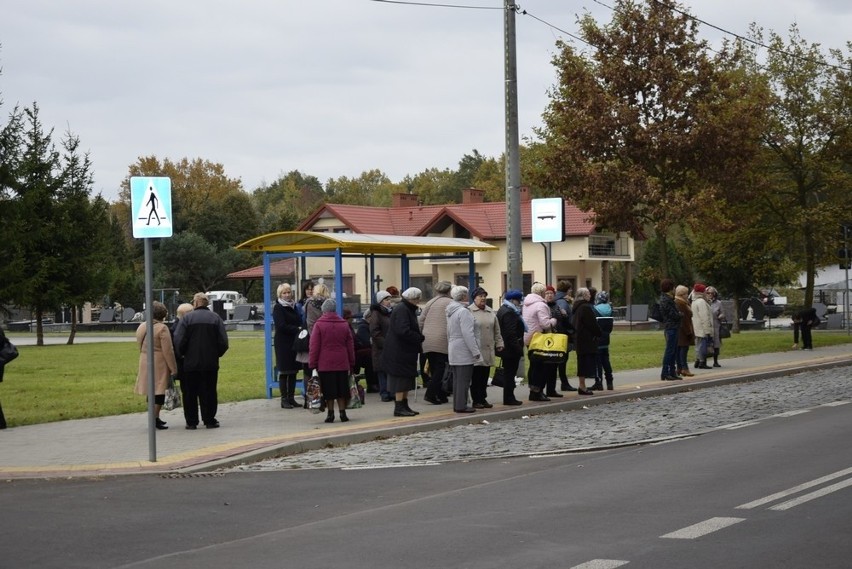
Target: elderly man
<point>200,339</point>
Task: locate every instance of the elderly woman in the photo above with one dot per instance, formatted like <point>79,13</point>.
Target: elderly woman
<point>401,353</point>
<point>537,318</point>
<point>719,319</point>
<point>586,334</point>
<point>702,323</point>
<point>686,333</point>
<point>512,331</point>
<point>463,347</point>
<point>165,364</point>
<point>332,354</point>
<point>287,322</point>
<point>487,329</point>
<point>433,324</point>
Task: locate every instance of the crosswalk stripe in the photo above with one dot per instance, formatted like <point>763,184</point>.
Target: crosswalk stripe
<point>703,528</point>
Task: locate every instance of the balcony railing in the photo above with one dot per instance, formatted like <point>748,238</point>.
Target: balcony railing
<point>609,246</point>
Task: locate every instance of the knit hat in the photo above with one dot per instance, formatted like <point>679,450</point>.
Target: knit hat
<point>393,290</point>
<point>549,288</point>
<point>478,291</point>
<point>699,287</point>
<point>381,295</point>
<point>514,294</point>
<point>329,305</point>
<point>602,297</point>
<point>443,287</point>
<point>412,293</point>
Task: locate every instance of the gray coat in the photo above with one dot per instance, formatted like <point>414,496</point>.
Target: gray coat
<point>463,338</point>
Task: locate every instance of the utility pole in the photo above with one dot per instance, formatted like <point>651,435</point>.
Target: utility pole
<point>514,257</point>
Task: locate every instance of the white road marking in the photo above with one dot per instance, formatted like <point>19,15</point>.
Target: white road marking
<point>703,528</point>
<point>835,404</point>
<point>733,426</point>
<point>601,564</point>
<point>382,466</point>
<point>794,490</point>
<point>792,413</point>
<point>812,496</point>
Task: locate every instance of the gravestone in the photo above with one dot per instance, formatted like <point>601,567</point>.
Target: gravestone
<point>107,315</point>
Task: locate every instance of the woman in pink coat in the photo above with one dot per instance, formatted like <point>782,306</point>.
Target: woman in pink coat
<point>332,354</point>
<point>537,318</point>
<point>165,364</point>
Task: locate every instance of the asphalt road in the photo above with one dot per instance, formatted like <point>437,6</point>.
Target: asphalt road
<point>675,504</point>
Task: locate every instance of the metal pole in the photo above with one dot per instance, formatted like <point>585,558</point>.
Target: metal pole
<point>149,332</point>
<point>514,254</point>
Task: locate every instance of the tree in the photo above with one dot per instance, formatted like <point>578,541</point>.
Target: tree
<point>648,129</point>
<point>372,187</point>
<point>283,204</point>
<point>808,149</point>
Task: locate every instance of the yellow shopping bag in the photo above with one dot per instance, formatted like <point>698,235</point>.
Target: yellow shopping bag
<point>548,347</point>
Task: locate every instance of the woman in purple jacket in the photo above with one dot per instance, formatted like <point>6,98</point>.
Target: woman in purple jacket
<point>332,354</point>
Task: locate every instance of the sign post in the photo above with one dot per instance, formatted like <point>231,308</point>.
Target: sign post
<point>151,211</point>
<point>548,225</point>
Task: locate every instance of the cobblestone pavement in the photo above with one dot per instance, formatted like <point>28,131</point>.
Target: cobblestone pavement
<point>619,423</point>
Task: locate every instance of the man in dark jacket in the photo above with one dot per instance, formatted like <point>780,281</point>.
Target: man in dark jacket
<point>201,340</point>
<point>803,321</point>
<point>512,330</point>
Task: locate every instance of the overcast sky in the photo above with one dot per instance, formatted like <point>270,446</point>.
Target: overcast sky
<point>327,87</point>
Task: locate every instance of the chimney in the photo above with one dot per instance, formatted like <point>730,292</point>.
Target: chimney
<point>404,200</point>
<point>472,195</point>
<point>525,194</point>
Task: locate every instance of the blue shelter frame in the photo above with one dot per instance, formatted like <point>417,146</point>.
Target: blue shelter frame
<point>304,244</point>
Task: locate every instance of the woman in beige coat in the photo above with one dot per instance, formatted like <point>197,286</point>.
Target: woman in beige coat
<point>165,364</point>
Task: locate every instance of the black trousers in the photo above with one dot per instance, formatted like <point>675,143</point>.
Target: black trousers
<point>199,389</point>
<point>510,370</point>
<point>479,384</point>
<point>438,362</point>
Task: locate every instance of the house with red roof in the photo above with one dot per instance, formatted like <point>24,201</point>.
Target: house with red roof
<point>583,258</point>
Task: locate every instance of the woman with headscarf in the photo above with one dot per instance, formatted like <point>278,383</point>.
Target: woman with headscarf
<point>586,334</point>
<point>332,354</point>
<point>378,318</point>
<point>401,353</point>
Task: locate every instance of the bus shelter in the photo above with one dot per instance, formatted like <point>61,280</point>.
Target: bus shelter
<point>302,244</point>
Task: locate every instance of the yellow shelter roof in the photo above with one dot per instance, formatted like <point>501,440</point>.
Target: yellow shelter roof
<point>366,244</point>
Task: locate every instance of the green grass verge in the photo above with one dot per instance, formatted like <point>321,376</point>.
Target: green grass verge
<point>61,382</point>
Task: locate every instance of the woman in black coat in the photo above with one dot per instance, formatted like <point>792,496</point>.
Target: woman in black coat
<point>287,323</point>
<point>586,334</point>
<point>401,353</point>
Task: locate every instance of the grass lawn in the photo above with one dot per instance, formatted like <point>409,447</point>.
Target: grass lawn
<point>60,382</point>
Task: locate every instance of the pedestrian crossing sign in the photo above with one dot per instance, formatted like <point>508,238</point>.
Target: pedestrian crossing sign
<point>151,206</point>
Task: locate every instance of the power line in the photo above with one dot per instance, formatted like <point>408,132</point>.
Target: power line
<point>436,5</point>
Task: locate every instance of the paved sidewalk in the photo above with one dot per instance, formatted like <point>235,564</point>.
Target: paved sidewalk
<point>257,429</point>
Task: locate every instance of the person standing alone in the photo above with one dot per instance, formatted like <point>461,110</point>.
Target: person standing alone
<point>201,340</point>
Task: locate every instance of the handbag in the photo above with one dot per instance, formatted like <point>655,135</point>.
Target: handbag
<point>8,352</point>
<point>724,332</point>
<point>447,380</point>
<point>302,343</point>
<point>499,379</point>
<point>548,347</point>
<point>655,313</point>
<point>314,393</point>
<point>355,400</point>
<point>173,400</point>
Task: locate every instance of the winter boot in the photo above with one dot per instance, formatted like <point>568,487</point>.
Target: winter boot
<point>596,386</point>
<point>716,357</point>
<point>284,387</point>
<point>329,418</point>
<point>291,391</point>
<point>343,417</point>
<point>409,409</point>
<point>399,410</point>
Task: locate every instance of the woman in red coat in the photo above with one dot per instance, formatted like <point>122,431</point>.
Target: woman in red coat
<point>332,354</point>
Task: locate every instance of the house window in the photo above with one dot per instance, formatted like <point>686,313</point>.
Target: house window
<point>424,283</point>
<point>526,278</point>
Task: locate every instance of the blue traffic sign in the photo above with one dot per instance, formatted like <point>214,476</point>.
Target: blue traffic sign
<point>151,206</point>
